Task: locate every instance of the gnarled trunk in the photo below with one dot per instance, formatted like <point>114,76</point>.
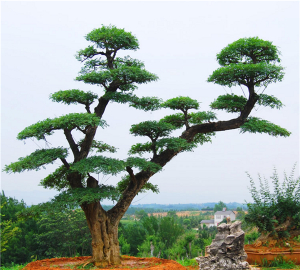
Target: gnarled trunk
<point>104,232</point>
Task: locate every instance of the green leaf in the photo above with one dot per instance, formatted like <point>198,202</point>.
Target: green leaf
<point>152,129</point>
<point>249,51</point>
<point>111,37</point>
<point>37,159</point>
<point>229,102</point>
<point>262,74</point>
<point>177,120</point>
<point>74,96</point>
<point>123,184</point>
<point>200,117</point>
<point>203,138</point>
<point>69,121</point>
<point>56,180</point>
<point>142,164</point>
<point>119,97</point>
<point>257,125</point>
<point>101,146</point>
<point>181,103</point>
<point>146,103</point>
<point>175,144</point>
<point>99,164</point>
<point>140,148</point>
<point>269,101</point>
<point>122,76</point>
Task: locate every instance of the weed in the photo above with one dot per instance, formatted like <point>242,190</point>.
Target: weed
<point>13,266</point>
<point>188,262</point>
<point>279,263</point>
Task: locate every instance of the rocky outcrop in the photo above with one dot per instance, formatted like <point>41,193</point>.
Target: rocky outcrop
<point>226,251</point>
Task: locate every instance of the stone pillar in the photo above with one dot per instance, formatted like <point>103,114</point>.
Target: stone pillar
<point>226,251</point>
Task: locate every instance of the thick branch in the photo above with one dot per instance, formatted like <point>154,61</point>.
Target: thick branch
<point>162,159</point>
<point>73,145</point>
<point>132,176</point>
<point>91,131</point>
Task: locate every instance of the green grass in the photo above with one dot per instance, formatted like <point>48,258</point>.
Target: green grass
<point>13,267</point>
<point>126,221</point>
<point>188,262</point>
<point>279,263</point>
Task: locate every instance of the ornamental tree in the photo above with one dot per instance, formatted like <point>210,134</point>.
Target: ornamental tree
<point>248,62</point>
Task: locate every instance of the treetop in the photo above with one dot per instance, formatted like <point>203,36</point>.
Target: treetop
<point>248,51</point>
<point>111,37</point>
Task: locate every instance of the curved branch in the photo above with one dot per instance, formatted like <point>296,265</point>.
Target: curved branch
<point>67,165</point>
<point>162,159</point>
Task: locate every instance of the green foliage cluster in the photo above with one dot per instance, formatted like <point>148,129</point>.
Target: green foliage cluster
<point>257,125</point>
<point>171,236</point>
<point>53,233</point>
<point>101,147</point>
<point>248,51</point>
<point>233,103</point>
<point>69,121</point>
<point>74,96</point>
<point>181,103</point>
<point>99,164</point>
<point>276,213</point>
<point>245,58</point>
<point>230,103</point>
<point>238,74</point>
<point>37,159</point>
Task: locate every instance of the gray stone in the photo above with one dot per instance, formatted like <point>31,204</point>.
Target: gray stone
<point>226,251</point>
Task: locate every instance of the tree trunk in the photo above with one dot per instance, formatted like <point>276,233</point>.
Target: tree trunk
<point>104,232</point>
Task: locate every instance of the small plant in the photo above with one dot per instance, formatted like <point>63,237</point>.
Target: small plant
<point>279,263</point>
<point>188,262</point>
<point>13,266</point>
<point>276,214</point>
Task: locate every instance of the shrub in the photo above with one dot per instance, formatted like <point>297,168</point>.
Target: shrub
<point>276,214</point>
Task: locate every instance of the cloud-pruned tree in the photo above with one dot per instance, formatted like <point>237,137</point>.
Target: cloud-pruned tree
<point>248,62</point>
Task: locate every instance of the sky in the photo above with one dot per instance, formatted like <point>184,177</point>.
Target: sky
<point>178,42</point>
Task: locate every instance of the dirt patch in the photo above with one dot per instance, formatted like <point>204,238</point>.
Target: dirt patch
<point>127,263</point>
<point>292,246</point>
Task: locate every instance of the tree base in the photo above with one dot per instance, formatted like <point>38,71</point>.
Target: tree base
<point>126,262</point>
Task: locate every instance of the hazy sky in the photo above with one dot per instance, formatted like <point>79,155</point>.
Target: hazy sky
<point>178,42</point>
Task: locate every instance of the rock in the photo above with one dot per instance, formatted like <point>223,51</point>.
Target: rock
<point>226,251</point>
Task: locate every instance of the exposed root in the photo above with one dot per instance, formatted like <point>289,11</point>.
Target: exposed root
<point>88,262</point>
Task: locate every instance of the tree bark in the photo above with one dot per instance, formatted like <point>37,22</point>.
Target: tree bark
<point>104,232</point>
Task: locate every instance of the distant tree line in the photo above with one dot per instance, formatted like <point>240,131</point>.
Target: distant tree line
<point>65,234</point>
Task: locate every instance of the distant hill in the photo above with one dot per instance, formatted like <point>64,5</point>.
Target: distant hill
<point>190,206</point>
<point>153,207</point>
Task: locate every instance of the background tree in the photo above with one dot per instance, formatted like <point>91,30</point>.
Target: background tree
<point>219,206</point>
<point>17,236</point>
<point>249,62</point>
